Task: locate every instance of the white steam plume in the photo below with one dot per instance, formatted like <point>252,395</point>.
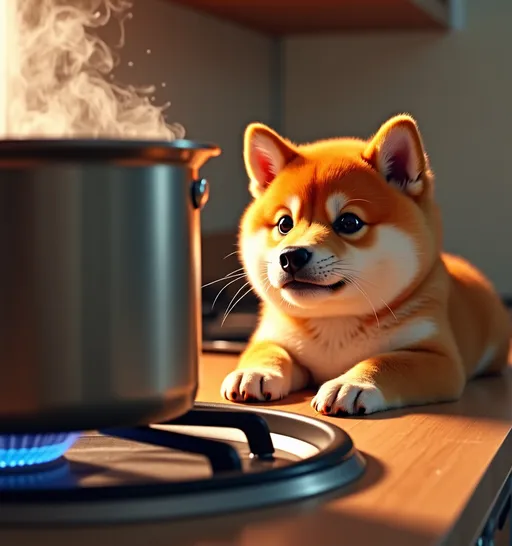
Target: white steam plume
<point>8,57</point>
<point>58,86</point>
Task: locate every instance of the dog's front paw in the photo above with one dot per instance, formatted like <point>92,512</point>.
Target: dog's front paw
<point>342,396</point>
<point>255,385</point>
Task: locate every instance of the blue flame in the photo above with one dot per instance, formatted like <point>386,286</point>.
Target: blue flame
<point>35,477</point>
<point>29,450</point>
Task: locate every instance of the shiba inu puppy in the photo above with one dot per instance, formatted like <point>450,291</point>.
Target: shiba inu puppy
<point>342,243</point>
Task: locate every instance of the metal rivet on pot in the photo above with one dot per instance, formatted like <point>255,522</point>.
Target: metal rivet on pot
<point>200,193</point>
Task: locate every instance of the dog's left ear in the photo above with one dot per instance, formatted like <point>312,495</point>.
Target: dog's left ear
<point>396,152</point>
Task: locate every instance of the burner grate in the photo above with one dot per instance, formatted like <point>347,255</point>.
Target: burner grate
<point>150,476</point>
<point>221,456</point>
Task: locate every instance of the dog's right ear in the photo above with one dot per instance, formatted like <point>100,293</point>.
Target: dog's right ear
<point>397,152</point>
<point>265,155</point>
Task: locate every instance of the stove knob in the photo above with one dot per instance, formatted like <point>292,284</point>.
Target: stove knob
<point>200,193</point>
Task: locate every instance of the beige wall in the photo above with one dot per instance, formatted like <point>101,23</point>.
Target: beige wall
<point>458,86</point>
<point>217,77</point>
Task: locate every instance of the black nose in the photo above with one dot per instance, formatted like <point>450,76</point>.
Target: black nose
<point>294,259</point>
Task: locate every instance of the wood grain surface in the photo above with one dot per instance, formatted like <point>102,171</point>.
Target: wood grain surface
<point>433,472</point>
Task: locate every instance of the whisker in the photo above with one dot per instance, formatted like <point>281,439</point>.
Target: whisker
<point>225,278</point>
<point>222,290</point>
<point>234,297</point>
<point>235,271</point>
<point>360,278</point>
<point>354,272</point>
<point>230,306</point>
<point>354,282</point>
<point>381,299</point>
<point>363,280</point>
<point>266,285</point>
<point>230,254</point>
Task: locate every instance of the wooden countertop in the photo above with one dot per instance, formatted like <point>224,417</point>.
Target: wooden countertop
<point>433,472</point>
<point>432,475</point>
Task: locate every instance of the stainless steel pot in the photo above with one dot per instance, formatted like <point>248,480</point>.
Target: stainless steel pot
<point>99,282</point>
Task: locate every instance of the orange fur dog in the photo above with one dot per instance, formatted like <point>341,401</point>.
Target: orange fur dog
<point>342,243</point>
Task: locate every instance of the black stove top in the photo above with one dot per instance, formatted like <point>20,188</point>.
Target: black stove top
<point>217,458</point>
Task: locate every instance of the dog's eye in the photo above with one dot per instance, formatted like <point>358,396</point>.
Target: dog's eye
<point>285,224</point>
<point>348,224</point>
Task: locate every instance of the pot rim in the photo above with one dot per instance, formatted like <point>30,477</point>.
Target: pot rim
<point>64,149</point>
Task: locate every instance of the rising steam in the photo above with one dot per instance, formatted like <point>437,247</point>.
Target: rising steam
<point>59,85</point>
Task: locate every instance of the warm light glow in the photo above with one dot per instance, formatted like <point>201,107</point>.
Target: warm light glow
<point>8,53</point>
<point>58,82</point>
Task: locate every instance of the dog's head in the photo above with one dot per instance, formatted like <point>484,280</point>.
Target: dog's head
<point>341,226</point>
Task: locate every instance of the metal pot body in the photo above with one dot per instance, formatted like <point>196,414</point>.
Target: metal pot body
<point>99,290</point>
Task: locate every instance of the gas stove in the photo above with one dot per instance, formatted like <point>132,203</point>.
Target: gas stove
<point>215,459</point>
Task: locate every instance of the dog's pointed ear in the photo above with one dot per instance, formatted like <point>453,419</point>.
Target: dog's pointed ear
<point>396,151</point>
<point>265,155</point>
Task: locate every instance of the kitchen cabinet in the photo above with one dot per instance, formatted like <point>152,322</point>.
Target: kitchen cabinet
<point>286,17</point>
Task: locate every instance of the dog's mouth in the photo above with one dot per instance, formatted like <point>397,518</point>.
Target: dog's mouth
<point>310,286</point>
